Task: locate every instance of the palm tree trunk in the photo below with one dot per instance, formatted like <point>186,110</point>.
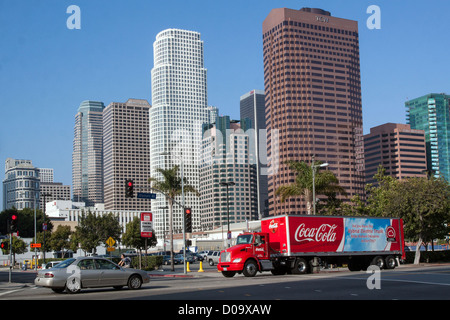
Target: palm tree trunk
<point>171,233</point>
<point>417,256</point>
<point>308,198</point>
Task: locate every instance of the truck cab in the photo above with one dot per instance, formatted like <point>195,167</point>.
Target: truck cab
<point>249,255</point>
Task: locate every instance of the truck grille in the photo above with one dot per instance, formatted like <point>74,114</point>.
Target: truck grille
<point>225,256</point>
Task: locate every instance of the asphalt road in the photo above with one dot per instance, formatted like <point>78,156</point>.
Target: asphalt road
<point>429,282</point>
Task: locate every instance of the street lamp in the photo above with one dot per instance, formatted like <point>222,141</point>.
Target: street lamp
<point>314,167</point>
<point>183,205</point>
<point>44,226</point>
<point>228,184</point>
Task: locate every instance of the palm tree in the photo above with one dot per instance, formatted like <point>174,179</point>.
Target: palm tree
<point>325,182</point>
<point>170,186</point>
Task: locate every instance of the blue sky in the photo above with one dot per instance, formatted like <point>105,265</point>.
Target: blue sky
<point>47,70</point>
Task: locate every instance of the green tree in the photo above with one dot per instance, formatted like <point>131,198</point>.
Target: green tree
<point>94,230</point>
<point>170,186</point>
<point>424,206</point>
<point>59,240</point>
<point>325,183</point>
<point>18,247</point>
<point>132,236</point>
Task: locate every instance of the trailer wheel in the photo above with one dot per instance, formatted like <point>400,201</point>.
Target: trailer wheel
<point>301,266</point>
<point>378,261</point>
<point>250,268</point>
<point>390,262</point>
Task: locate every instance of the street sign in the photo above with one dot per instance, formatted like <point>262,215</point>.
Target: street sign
<point>110,242</point>
<point>110,249</point>
<point>142,195</point>
<point>146,224</point>
<point>35,245</point>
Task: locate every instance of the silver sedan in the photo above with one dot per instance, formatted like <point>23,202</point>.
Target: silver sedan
<point>89,272</point>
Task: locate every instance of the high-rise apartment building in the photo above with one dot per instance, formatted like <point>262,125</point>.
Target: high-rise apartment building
<point>46,175</point>
<point>396,147</point>
<point>126,150</point>
<point>51,191</point>
<point>226,161</point>
<point>313,99</point>
<point>253,107</point>
<point>21,184</point>
<point>87,156</point>
<point>431,113</point>
<point>179,108</point>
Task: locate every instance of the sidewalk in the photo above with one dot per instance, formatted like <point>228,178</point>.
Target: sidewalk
<point>194,272</point>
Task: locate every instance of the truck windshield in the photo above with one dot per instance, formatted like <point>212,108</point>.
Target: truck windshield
<point>244,239</point>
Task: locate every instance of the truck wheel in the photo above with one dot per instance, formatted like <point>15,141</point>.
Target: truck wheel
<point>378,261</point>
<point>354,265</point>
<point>301,266</point>
<point>390,262</point>
<point>279,271</point>
<point>228,274</point>
<point>211,262</point>
<point>250,268</point>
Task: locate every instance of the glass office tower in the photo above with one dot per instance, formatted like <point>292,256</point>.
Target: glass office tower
<point>87,156</point>
<point>431,114</point>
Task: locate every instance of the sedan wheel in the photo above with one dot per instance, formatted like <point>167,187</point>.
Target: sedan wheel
<point>135,282</point>
<point>73,285</point>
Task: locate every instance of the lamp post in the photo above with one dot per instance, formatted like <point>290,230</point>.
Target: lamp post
<point>44,226</point>
<point>228,184</point>
<point>183,205</point>
<point>314,167</point>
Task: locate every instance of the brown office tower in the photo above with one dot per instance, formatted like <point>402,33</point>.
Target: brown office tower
<point>398,148</point>
<point>126,153</point>
<point>313,99</point>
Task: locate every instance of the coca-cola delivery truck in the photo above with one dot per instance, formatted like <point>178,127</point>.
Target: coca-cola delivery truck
<point>297,244</point>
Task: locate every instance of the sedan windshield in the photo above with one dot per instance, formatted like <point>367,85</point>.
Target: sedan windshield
<point>65,263</point>
<point>244,239</point>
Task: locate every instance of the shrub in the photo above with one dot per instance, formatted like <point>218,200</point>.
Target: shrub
<point>429,256</point>
<point>148,262</point>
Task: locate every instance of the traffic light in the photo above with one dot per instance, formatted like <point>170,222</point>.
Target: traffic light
<point>13,222</point>
<point>129,188</point>
<point>188,219</point>
<point>5,247</point>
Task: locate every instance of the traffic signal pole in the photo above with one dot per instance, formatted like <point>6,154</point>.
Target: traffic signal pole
<point>10,257</point>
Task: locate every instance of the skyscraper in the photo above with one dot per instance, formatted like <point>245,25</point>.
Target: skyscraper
<point>253,107</point>
<point>313,98</point>
<point>431,113</point>
<point>87,157</point>
<point>179,108</point>
<point>126,153</point>
<point>226,160</point>
<point>396,147</point>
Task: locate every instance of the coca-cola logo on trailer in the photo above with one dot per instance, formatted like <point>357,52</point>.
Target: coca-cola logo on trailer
<point>273,226</point>
<point>323,233</point>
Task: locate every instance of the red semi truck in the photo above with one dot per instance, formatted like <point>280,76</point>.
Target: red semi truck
<point>297,244</point>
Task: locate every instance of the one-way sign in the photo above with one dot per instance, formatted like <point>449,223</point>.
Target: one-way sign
<point>142,195</point>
